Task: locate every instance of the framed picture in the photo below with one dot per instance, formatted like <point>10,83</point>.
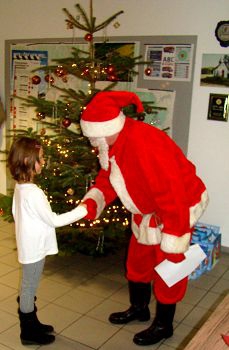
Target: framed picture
<point>215,70</point>
<point>218,108</point>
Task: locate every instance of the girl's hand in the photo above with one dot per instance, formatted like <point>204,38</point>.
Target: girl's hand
<point>83,205</point>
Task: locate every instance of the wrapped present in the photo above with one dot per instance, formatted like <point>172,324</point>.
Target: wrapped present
<point>209,239</point>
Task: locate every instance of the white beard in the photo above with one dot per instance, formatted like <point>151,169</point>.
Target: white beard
<point>103,148</point>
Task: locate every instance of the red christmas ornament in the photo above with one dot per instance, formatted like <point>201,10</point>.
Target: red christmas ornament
<point>65,79</point>
<point>110,69</point>
<point>88,37</point>
<point>69,24</point>
<point>141,117</point>
<point>43,132</point>
<point>49,79</point>
<point>60,71</point>
<point>40,115</point>
<point>66,122</point>
<point>36,80</point>
<point>112,77</point>
<point>86,71</point>
<point>148,71</point>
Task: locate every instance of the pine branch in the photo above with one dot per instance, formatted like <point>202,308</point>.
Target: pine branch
<point>84,17</point>
<point>76,96</point>
<point>73,21</point>
<point>89,26</point>
<point>107,22</point>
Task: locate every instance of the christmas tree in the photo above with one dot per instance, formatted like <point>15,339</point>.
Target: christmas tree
<point>71,163</point>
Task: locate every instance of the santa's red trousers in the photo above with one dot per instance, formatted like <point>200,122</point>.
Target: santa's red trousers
<point>141,261</point>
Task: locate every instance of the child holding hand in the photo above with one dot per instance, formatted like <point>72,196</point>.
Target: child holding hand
<point>35,224</point>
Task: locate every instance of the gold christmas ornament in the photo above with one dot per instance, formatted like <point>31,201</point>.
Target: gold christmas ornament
<point>116,25</point>
<point>70,191</point>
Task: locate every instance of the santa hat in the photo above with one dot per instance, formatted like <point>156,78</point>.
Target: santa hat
<point>103,116</point>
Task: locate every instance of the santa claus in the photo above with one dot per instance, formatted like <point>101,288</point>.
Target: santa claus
<point>149,173</point>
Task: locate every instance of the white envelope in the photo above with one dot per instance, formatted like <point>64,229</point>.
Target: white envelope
<point>172,273</point>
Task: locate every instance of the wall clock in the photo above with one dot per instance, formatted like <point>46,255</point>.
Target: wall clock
<point>222,33</point>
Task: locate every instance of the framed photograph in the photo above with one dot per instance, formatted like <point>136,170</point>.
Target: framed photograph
<point>215,70</point>
<point>218,108</point>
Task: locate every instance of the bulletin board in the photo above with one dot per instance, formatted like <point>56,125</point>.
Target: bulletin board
<point>168,79</point>
<point>182,85</point>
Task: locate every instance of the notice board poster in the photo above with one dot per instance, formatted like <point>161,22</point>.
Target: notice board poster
<point>25,82</point>
<point>168,62</point>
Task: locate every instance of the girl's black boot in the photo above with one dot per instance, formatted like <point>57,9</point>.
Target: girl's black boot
<point>46,328</point>
<point>31,333</point>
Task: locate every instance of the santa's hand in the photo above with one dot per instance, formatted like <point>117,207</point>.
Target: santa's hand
<point>175,258</point>
<point>91,207</point>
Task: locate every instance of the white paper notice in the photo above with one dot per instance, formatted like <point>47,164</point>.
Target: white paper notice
<point>172,273</point>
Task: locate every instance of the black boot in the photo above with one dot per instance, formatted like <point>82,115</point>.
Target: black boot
<point>46,328</point>
<point>161,328</point>
<point>140,294</point>
<point>30,332</point>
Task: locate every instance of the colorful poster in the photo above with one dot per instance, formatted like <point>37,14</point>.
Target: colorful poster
<point>168,62</point>
<point>25,82</point>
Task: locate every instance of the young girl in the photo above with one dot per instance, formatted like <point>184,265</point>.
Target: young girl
<point>35,224</point>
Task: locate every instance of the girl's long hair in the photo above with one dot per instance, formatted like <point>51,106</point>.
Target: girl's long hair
<point>23,155</point>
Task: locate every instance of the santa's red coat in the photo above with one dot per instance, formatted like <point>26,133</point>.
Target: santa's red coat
<point>155,182</point>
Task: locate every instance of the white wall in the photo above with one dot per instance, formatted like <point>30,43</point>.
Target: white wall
<point>208,140</point>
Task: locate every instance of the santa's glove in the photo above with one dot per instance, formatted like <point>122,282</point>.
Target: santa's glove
<point>175,258</point>
<point>91,209</point>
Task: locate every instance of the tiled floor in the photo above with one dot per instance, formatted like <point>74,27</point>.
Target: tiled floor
<point>78,293</point>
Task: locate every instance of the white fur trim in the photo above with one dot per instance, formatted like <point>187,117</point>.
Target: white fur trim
<point>98,197</point>
<point>197,210</point>
<point>175,244</point>
<point>145,234</point>
<point>119,185</point>
<point>103,129</point>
